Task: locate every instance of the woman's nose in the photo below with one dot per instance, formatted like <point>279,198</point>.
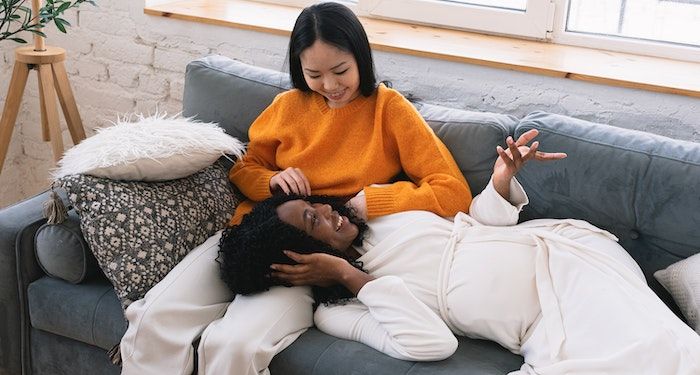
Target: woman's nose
<point>329,84</point>
<point>325,210</point>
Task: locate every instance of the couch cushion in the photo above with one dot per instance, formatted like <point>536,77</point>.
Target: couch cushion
<point>644,191</point>
<point>62,252</point>
<point>471,137</point>
<point>138,231</point>
<point>230,93</point>
<point>315,353</point>
<point>88,312</point>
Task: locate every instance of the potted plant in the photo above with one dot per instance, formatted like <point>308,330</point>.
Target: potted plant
<point>15,17</point>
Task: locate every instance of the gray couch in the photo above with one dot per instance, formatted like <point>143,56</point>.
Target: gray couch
<point>641,187</point>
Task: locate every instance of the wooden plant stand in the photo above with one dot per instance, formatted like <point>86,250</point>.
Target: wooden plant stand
<point>48,62</point>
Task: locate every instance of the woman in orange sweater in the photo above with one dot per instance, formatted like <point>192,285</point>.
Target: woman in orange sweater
<point>337,133</point>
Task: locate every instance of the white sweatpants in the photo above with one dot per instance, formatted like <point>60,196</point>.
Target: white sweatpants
<point>237,338</point>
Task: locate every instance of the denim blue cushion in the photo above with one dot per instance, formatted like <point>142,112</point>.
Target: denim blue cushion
<point>88,312</point>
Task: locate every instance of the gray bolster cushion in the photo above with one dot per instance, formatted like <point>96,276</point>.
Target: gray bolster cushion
<point>62,252</point>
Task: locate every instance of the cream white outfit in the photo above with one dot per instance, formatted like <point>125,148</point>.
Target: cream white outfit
<point>562,293</point>
<point>191,303</point>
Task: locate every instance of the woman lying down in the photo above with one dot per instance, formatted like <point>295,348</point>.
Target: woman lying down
<point>561,293</point>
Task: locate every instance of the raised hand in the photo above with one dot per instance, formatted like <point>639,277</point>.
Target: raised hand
<point>291,181</point>
<point>511,160</point>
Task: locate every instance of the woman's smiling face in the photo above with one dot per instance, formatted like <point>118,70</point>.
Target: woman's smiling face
<point>331,72</point>
<point>320,222</point>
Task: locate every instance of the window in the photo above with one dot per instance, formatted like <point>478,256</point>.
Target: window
<point>665,28</point>
<point>528,18</point>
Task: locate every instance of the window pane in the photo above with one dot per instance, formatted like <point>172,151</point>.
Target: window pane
<point>674,21</point>
<point>505,4</point>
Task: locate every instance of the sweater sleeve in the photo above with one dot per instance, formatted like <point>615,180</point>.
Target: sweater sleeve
<point>436,185</point>
<point>253,172</point>
<point>390,319</point>
<point>490,208</point>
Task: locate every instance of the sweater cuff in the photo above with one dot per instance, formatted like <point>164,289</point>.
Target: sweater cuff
<point>380,201</point>
<point>261,190</point>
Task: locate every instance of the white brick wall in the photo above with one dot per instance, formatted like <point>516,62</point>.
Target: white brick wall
<point>121,61</point>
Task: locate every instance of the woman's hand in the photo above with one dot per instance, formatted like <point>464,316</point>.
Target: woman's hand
<point>510,161</point>
<point>358,204</point>
<point>291,180</point>
<point>320,269</point>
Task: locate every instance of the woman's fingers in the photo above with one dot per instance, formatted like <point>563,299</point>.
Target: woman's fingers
<point>291,180</point>
<point>550,155</point>
<point>514,151</point>
<point>526,137</point>
<point>307,185</point>
<point>505,158</point>
<point>290,269</point>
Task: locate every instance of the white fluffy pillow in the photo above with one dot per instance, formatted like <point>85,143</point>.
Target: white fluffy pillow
<point>682,280</point>
<point>153,148</point>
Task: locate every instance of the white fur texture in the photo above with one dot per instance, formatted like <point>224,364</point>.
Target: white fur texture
<point>155,148</point>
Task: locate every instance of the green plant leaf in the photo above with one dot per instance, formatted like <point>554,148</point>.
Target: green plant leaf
<point>63,7</point>
<point>59,25</point>
<point>37,32</point>
<point>64,22</point>
<point>19,40</point>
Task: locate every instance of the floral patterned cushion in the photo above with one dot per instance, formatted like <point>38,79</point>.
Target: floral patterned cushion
<point>139,231</point>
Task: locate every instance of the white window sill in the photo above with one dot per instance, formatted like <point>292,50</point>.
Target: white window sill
<point>577,63</point>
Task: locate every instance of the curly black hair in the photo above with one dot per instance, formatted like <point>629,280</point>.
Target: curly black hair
<point>247,250</point>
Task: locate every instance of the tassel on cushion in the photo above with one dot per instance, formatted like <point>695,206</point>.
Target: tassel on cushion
<point>55,211</point>
<point>115,355</point>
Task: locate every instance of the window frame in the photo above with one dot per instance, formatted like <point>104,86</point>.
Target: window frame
<point>545,20</point>
<point>618,44</point>
<point>533,23</point>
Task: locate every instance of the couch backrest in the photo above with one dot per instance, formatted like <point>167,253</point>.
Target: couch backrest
<point>643,188</point>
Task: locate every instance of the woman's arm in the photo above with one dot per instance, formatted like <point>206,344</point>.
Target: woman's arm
<point>390,319</point>
<point>436,185</point>
<point>320,269</point>
<point>490,208</point>
<point>503,198</point>
<point>257,173</point>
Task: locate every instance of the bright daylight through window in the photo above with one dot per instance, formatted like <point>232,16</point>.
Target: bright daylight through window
<point>672,21</point>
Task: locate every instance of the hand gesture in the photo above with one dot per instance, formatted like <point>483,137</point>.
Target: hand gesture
<point>358,204</point>
<point>319,269</point>
<point>291,181</point>
<point>510,161</point>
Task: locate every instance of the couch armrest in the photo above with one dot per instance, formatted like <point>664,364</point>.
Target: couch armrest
<point>18,268</point>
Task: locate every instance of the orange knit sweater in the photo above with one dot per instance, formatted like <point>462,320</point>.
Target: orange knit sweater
<point>342,151</point>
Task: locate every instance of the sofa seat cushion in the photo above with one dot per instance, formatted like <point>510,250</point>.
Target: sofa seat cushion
<point>315,353</point>
<point>88,312</point>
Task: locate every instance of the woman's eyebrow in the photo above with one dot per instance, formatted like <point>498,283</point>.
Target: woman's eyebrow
<point>316,71</point>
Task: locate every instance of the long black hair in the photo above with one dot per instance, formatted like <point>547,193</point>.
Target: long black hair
<point>247,250</point>
<point>337,25</point>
